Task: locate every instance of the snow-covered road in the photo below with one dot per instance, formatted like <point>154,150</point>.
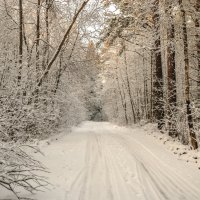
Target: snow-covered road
<point>101,161</point>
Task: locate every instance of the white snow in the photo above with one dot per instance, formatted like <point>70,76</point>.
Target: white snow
<point>102,161</point>
<point>182,152</point>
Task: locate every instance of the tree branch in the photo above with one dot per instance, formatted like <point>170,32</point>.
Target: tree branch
<point>46,72</point>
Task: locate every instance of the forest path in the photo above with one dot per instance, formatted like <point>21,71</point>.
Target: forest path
<point>102,161</point>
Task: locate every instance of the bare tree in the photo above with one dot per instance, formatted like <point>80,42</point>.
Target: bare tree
<point>46,71</point>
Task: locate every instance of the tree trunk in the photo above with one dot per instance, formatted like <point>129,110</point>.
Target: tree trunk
<point>20,40</point>
<point>38,39</point>
<point>151,98</point>
<point>46,47</point>
<point>129,88</point>
<point>122,96</point>
<point>171,73</point>
<point>158,103</point>
<point>51,62</point>
<point>59,73</point>
<point>146,97</point>
<point>187,82</point>
<point>62,69</point>
<point>197,24</point>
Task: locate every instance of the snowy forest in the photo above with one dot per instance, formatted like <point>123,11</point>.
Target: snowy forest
<point>99,99</point>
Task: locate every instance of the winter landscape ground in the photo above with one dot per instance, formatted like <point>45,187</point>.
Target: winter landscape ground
<point>99,99</point>
<point>103,161</point>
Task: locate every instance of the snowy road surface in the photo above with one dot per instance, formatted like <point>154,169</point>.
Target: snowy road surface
<point>101,161</point>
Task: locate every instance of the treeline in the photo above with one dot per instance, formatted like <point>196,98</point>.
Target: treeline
<point>47,78</point>
<point>45,73</point>
<point>153,49</point>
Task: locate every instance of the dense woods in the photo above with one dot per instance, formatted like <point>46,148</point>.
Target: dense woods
<point>46,79</point>
<point>123,61</point>
<point>45,72</point>
<point>155,70</point>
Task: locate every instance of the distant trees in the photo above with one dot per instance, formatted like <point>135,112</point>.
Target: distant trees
<point>158,34</point>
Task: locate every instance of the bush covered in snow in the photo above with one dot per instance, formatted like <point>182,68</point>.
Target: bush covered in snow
<point>19,171</point>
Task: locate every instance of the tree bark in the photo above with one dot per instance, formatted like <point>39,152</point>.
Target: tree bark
<point>146,93</point>
<point>197,25</point>
<point>46,47</point>
<point>158,103</point>
<point>38,39</point>
<point>171,73</point>
<point>20,40</point>
<point>187,82</point>
<point>129,88</point>
<point>122,95</point>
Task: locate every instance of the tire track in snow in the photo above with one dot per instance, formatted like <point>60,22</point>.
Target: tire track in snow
<point>94,182</point>
<point>119,167</point>
<point>166,183</point>
<point>121,188</point>
<point>77,188</point>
